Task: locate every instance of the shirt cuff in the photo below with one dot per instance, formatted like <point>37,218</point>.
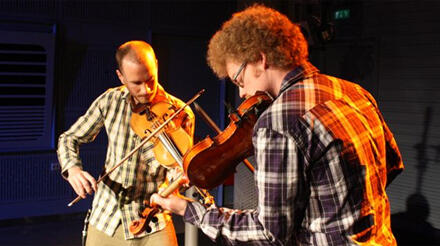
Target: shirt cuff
<point>194,213</point>
<point>65,169</point>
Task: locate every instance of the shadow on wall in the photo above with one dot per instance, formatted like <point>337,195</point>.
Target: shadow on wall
<point>411,227</point>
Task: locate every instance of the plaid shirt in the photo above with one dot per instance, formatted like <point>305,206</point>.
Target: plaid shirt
<point>120,196</point>
<point>324,156</point>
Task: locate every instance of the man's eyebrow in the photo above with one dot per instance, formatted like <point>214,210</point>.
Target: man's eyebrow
<point>148,79</point>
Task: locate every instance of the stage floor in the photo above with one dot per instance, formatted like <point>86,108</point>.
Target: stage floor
<point>62,230</point>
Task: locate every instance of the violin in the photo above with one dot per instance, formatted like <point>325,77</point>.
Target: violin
<point>209,162</point>
<point>170,143</point>
<point>169,146</point>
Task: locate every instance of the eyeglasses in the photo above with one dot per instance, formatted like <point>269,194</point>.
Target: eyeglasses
<point>234,79</point>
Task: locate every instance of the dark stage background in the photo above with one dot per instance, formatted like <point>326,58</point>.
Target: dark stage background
<point>56,57</point>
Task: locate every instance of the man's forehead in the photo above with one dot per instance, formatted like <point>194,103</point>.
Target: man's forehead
<point>132,69</point>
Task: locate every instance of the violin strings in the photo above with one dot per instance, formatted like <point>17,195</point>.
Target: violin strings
<point>168,140</point>
<point>202,192</point>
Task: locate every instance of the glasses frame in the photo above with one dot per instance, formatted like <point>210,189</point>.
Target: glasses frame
<point>234,78</point>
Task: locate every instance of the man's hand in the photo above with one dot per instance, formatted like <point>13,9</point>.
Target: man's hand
<point>81,181</point>
<point>175,204</point>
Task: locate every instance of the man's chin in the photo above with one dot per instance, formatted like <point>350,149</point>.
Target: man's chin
<point>143,100</point>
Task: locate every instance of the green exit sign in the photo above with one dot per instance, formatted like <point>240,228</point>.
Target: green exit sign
<point>342,14</point>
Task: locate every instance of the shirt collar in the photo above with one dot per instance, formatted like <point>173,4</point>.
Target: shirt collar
<point>129,98</point>
<point>125,94</point>
<point>301,72</point>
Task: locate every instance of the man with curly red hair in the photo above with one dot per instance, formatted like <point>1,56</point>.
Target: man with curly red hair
<point>324,154</point>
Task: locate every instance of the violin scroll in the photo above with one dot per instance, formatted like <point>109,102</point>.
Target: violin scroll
<point>138,226</point>
<point>149,213</point>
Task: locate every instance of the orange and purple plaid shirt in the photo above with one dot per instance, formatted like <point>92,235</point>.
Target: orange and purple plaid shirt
<point>324,156</point>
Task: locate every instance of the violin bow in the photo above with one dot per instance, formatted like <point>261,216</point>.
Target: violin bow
<point>145,140</point>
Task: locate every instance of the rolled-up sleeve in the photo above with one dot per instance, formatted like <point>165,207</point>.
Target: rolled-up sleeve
<point>271,223</point>
<point>84,130</point>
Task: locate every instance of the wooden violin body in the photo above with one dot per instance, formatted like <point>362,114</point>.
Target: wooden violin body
<point>209,162</point>
<point>169,146</point>
<point>172,140</point>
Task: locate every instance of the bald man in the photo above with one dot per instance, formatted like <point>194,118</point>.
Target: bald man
<point>119,198</point>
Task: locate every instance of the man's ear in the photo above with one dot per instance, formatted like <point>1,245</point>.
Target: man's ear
<point>121,78</point>
<point>261,65</point>
<point>264,60</point>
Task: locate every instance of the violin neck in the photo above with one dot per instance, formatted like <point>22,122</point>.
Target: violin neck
<point>176,184</point>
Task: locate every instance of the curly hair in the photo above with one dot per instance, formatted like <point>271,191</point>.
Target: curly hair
<point>255,30</point>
